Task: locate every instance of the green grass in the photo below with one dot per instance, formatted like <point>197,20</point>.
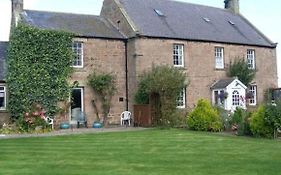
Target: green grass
<point>149,152</point>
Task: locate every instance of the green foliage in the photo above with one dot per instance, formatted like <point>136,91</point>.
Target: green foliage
<point>239,68</point>
<point>39,65</point>
<point>164,83</point>
<point>142,95</point>
<point>225,117</point>
<point>104,86</point>
<point>35,117</point>
<point>273,116</point>
<point>258,124</point>
<point>204,117</point>
<point>240,119</point>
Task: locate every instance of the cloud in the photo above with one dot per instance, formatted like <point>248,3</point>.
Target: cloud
<point>5,8</point>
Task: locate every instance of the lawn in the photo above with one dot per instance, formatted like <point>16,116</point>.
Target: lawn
<point>149,152</point>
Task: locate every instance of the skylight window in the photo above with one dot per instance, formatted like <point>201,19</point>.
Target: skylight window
<point>231,22</point>
<point>158,12</point>
<point>206,19</point>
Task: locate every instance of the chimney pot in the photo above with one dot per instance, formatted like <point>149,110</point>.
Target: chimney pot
<point>232,5</point>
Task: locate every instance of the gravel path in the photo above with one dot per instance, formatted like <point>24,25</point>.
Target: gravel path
<point>72,132</point>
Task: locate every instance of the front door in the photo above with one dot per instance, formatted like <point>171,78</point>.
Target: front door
<point>77,103</point>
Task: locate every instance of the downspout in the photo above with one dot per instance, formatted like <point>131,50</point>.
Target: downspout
<point>126,70</point>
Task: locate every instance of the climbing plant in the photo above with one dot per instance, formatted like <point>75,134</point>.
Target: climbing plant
<point>239,68</point>
<point>104,87</point>
<point>162,85</point>
<point>39,65</point>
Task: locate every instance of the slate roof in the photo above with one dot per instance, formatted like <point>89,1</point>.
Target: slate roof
<point>82,25</point>
<point>221,84</point>
<point>3,57</point>
<point>186,21</point>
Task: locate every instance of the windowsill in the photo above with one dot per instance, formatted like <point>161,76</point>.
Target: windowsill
<point>3,110</point>
<point>78,67</point>
<point>180,107</point>
<point>220,69</point>
<point>179,66</point>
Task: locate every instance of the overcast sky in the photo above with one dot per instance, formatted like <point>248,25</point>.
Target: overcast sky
<point>264,14</point>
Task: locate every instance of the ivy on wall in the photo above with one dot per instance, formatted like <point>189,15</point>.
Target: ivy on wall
<point>39,65</point>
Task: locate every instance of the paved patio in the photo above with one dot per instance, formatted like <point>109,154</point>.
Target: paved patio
<point>73,132</point>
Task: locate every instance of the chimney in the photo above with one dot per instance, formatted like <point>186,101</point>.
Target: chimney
<point>17,9</point>
<point>232,5</point>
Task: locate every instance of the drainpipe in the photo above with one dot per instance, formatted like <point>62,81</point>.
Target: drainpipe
<point>126,70</point>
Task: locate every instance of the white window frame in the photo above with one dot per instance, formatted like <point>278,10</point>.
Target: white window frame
<point>219,57</point>
<point>220,101</point>
<point>80,54</point>
<point>178,55</point>
<point>181,99</point>
<point>253,100</point>
<point>235,98</point>
<point>251,59</point>
<point>5,98</point>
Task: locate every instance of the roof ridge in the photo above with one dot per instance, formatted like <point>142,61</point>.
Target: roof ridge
<point>66,13</point>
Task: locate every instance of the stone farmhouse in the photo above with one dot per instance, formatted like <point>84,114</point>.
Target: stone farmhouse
<point>131,36</point>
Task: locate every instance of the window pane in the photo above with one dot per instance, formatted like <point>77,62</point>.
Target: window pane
<point>253,95</point>
<point>219,57</point>
<point>78,51</point>
<point>178,55</point>
<point>181,99</point>
<point>2,100</point>
<point>235,98</point>
<point>251,59</point>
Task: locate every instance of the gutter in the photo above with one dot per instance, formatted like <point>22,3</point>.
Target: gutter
<point>126,70</point>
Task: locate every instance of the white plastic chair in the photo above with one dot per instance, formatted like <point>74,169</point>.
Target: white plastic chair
<point>50,121</point>
<point>125,116</point>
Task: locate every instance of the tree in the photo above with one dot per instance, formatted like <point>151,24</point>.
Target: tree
<point>104,86</point>
<point>165,83</point>
<point>239,68</point>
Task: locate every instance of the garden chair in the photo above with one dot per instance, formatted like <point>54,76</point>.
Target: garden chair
<point>49,121</point>
<point>79,116</point>
<point>82,120</point>
<point>125,118</point>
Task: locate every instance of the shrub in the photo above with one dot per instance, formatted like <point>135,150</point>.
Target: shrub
<point>239,68</point>
<point>162,86</point>
<point>240,119</point>
<point>258,124</point>
<point>204,117</point>
<point>225,118</point>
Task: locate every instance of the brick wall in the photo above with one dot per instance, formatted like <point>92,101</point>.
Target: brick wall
<point>200,64</point>
<point>104,56</point>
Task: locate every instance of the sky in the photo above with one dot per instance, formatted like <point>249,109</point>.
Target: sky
<point>264,14</point>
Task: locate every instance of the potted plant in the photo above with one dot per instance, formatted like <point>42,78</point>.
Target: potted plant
<point>97,123</point>
<point>63,112</point>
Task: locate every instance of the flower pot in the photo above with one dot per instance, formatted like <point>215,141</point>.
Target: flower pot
<point>97,125</point>
<point>64,126</point>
